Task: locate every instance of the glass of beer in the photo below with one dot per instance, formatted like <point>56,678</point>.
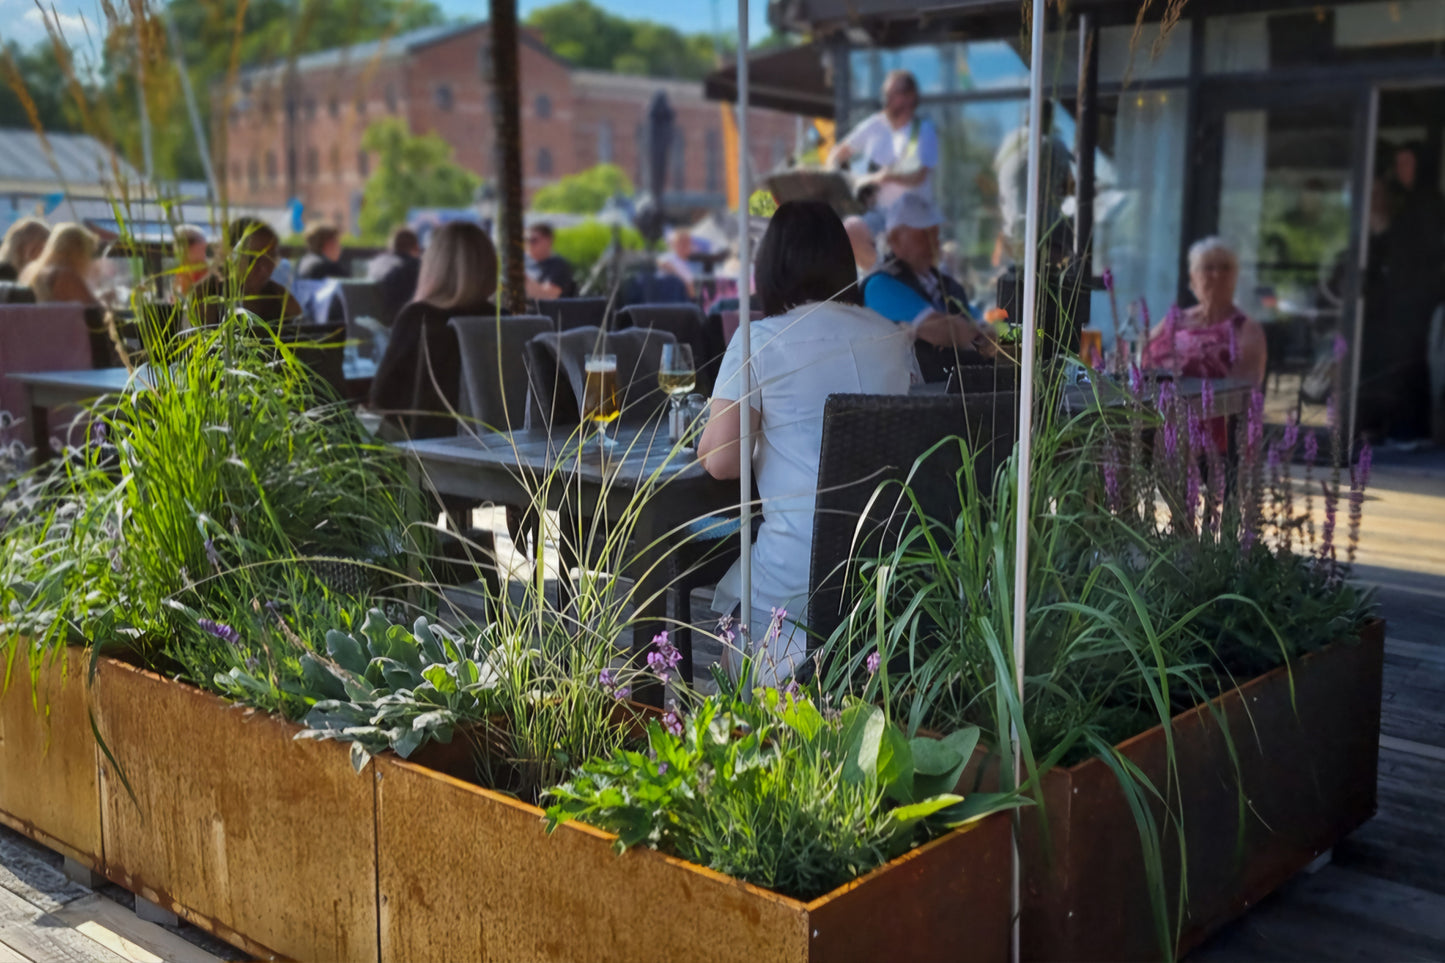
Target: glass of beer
<point>677,377</point>
<point>599,394</point>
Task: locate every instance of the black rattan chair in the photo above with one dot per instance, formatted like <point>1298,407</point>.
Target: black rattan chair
<point>872,439</point>
<point>569,313</point>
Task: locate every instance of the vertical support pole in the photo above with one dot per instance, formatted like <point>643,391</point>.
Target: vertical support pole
<point>1026,423</point>
<point>745,318</point>
<point>506,112</point>
<point>1086,137</point>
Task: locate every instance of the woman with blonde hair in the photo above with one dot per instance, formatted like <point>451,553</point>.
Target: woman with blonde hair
<point>417,382</point>
<point>60,272</point>
<point>23,244</point>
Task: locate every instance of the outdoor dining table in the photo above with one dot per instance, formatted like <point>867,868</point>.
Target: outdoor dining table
<point>46,390</point>
<point>662,485</point>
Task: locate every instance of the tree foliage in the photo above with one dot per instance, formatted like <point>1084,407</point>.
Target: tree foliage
<point>409,172</point>
<point>34,75</point>
<point>584,192</point>
<point>590,37</point>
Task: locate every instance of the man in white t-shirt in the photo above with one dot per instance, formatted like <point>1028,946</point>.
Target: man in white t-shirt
<point>900,144</point>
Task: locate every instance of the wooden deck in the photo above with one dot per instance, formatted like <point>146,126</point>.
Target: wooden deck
<point>1381,898</point>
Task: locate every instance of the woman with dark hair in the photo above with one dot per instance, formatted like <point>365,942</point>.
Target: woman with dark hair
<point>816,340</point>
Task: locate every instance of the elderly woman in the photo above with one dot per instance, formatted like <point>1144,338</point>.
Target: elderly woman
<point>1213,339</point>
<point>23,244</point>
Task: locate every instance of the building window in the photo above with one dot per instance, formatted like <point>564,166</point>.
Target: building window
<point>271,166</point>
<point>334,107</point>
<point>252,175</point>
<point>714,161</point>
<point>313,163</point>
<point>544,162</point>
<point>444,97</point>
<point>679,163</point>
<point>363,163</point>
<point>542,107</point>
<point>604,143</point>
<point>336,161</point>
<point>391,97</point>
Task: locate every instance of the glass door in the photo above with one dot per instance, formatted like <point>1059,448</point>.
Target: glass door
<point>1280,180</point>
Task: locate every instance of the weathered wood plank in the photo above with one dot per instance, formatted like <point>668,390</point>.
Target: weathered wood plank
<point>9,954</point>
<point>127,934</point>
<point>42,938</point>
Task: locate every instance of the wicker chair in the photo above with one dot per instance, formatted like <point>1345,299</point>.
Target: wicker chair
<point>687,325</point>
<point>363,299</point>
<point>569,313</point>
<point>871,439</point>
<point>494,370</point>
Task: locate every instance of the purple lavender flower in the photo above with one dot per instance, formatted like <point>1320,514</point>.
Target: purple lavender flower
<point>665,657</point>
<point>1196,431</point>
<point>792,690</point>
<point>1327,534</point>
<point>875,659</point>
<point>1111,479</point>
<point>662,766</point>
<point>1362,468</point>
<point>1291,431</point>
<point>1312,449</point>
<point>1167,394</point>
<point>609,682</point>
<point>725,630</point>
<point>1256,417</point>
<point>1108,279</point>
<point>220,630</point>
<point>1272,460</point>
<point>672,723</point>
<point>1341,348</point>
<point>1206,397</point>
<point>1171,439</point>
<point>1330,411</point>
<point>1136,381</point>
<point>1191,492</point>
<point>623,693</point>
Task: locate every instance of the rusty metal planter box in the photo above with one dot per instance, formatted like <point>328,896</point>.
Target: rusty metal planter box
<point>470,874</point>
<point>1306,760</point>
<point>266,842</point>
<point>49,775</point>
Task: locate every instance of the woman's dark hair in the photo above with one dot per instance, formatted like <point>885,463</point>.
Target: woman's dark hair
<point>805,256</point>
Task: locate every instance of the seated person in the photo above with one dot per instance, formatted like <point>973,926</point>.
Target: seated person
<point>418,382</point>
<point>816,340</point>
<point>675,261</point>
<point>865,250</point>
<point>909,288</point>
<point>23,243</point>
<point>322,259</point>
<point>549,276</point>
<point>395,272</point>
<point>244,280</point>
<point>193,267</point>
<point>62,270</point>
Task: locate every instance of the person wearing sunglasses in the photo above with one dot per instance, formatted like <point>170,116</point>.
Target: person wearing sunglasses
<point>549,275</point>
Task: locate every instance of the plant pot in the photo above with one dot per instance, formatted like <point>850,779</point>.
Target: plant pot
<point>49,776</point>
<point>1306,761</point>
<point>479,878</point>
<point>267,842</point>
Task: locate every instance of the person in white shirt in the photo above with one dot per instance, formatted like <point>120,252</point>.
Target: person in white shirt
<point>816,340</point>
<point>900,144</point>
<point>675,261</point>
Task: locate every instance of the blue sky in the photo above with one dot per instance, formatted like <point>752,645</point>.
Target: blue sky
<point>23,24</point>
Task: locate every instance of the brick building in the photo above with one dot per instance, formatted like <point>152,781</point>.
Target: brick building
<point>433,79</point>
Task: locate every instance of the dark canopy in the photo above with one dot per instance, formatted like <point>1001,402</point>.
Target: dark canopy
<point>794,80</point>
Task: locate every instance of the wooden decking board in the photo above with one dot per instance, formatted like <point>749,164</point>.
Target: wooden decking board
<point>43,938</point>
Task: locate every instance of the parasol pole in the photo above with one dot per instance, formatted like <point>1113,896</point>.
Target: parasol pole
<point>1026,419</point>
<point>745,317</point>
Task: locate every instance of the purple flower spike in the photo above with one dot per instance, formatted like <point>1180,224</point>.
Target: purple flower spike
<point>1144,313</point>
<point>1291,431</point>
<point>875,660</point>
<point>1108,279</point>
<point>1136,380</point>
<point>672,723</point>
<point>1342,348</point>
<point>1312,449</point>
<point>1196,431</point>
<point>1327,534</point>
<point>1256,417</point>
<point>1272,460</point>
<point>1111,481</point>
<point>1206,397</point>
<point>1233,344</point>
<point>1366,462</point>
<point>1331,412</point>
<point>220,630</point>
<point>1171,439</point>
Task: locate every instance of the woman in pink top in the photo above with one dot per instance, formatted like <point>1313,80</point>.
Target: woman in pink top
<point>1213,339</point>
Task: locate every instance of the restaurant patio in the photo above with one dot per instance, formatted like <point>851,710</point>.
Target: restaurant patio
<point>458,634</point>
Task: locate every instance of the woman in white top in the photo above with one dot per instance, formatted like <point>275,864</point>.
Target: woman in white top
<point>816,340</point>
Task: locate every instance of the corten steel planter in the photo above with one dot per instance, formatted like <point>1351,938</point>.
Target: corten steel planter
<point>1307,764</point>
<point>49,769</point>
<point>267,842</point>
<point>470,874</point>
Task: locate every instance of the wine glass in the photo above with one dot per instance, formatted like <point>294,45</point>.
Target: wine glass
<point>676,376</point>
<point>599,394</point>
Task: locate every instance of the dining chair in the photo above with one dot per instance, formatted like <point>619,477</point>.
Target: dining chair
<point>494,369</point>
<point>569,313</point>
<point>687,325</point>
<point>39,337</point>
<point>363,299</point>
<point>872,439</point>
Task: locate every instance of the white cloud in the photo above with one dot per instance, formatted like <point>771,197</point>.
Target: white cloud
<point>78,26</point>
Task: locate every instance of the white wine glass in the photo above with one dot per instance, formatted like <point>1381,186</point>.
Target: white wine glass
<point>677,377</point>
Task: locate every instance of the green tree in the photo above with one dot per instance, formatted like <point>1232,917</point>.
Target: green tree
<point>409,172</point>
<point>585,192</point>
<point>33,75</point>
<point>590,37</point>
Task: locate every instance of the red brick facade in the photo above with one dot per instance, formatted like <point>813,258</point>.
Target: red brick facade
<point>571,120</point>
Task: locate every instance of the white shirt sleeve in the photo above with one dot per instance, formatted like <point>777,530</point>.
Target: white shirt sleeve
<point>928,145</point>
<point>729,377</point>
<point>860,138</point>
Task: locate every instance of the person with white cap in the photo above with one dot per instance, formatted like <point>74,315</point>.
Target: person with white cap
<point>909,288</point>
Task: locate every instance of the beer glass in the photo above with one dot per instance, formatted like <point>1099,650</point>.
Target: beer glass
<point>677,377</point>
<point>599,395</point>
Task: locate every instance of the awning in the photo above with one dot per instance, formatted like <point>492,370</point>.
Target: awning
<point>793,80</point>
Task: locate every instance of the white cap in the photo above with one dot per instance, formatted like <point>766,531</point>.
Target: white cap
<point>913,210</point>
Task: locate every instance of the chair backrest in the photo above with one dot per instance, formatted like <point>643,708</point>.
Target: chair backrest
<point>654,287</point>
<point>556,371</point>
<point>968,379</point>
<point>687,325</point>
<point>363,299</point>
<point>12,292</point>
<point>494,369</point>
<point>320,348</point>
<point>872,439</point>
<point>39,337</point>
<point>569,313</point>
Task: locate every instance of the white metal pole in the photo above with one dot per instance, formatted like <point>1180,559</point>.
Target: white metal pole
<point>745,316</point>
<point>1026,415</point>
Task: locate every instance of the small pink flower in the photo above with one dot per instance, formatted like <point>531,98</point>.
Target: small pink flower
<point>875,660</point>
<point>672,723</point>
